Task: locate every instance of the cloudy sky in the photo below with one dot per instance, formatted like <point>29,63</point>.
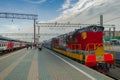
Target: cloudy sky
<point>73,11</point>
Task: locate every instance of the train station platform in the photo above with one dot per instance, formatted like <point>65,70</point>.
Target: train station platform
<point>33,64</point>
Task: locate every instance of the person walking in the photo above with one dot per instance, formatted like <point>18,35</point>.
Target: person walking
<point>40,47</point>
<point>27,46</point>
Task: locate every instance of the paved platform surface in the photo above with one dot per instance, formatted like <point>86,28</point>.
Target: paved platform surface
<point>33,64</point>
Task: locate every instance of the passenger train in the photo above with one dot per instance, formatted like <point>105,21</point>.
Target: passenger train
<point>8,44</point>
<point>85,45</point>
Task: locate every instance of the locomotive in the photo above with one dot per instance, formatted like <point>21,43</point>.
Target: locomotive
<point>85,45</point>
<point>8,44</point>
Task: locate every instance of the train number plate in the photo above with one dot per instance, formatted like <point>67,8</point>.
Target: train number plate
<point>100,58</point>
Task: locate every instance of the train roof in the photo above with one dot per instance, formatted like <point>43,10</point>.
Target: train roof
<point>10,39</point>
<point>92,28</point>
<point>62,35</point>
<point>5,38</point>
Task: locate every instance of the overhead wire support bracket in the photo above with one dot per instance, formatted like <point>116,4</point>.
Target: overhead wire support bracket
<point>21,16</point>
<point>67,24</point>
<point>18,16</point>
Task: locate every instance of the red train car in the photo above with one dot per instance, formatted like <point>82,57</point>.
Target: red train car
<point>85,45</point>
<point>8,44</point>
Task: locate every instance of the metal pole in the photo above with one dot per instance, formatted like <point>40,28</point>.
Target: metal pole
<point>34,32</point>
<point>113,31</point>
<point>38,33</point>
<point>101,20</point>
<point>110,33</point>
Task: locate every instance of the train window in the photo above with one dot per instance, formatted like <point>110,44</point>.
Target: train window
<point>6,44</point>
<point>67,39</point>
<point>74,39</point>
<point>2,44</point>
<point>92,52</point>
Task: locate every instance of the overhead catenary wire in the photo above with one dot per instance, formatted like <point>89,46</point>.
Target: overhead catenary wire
<point>93,17</point>
<point>84,10</point>
<point>111,19</point>
<point>97,15</point>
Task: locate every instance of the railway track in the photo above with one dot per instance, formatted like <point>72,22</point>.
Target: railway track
<point>114,73</point>
<point>117,63</point>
